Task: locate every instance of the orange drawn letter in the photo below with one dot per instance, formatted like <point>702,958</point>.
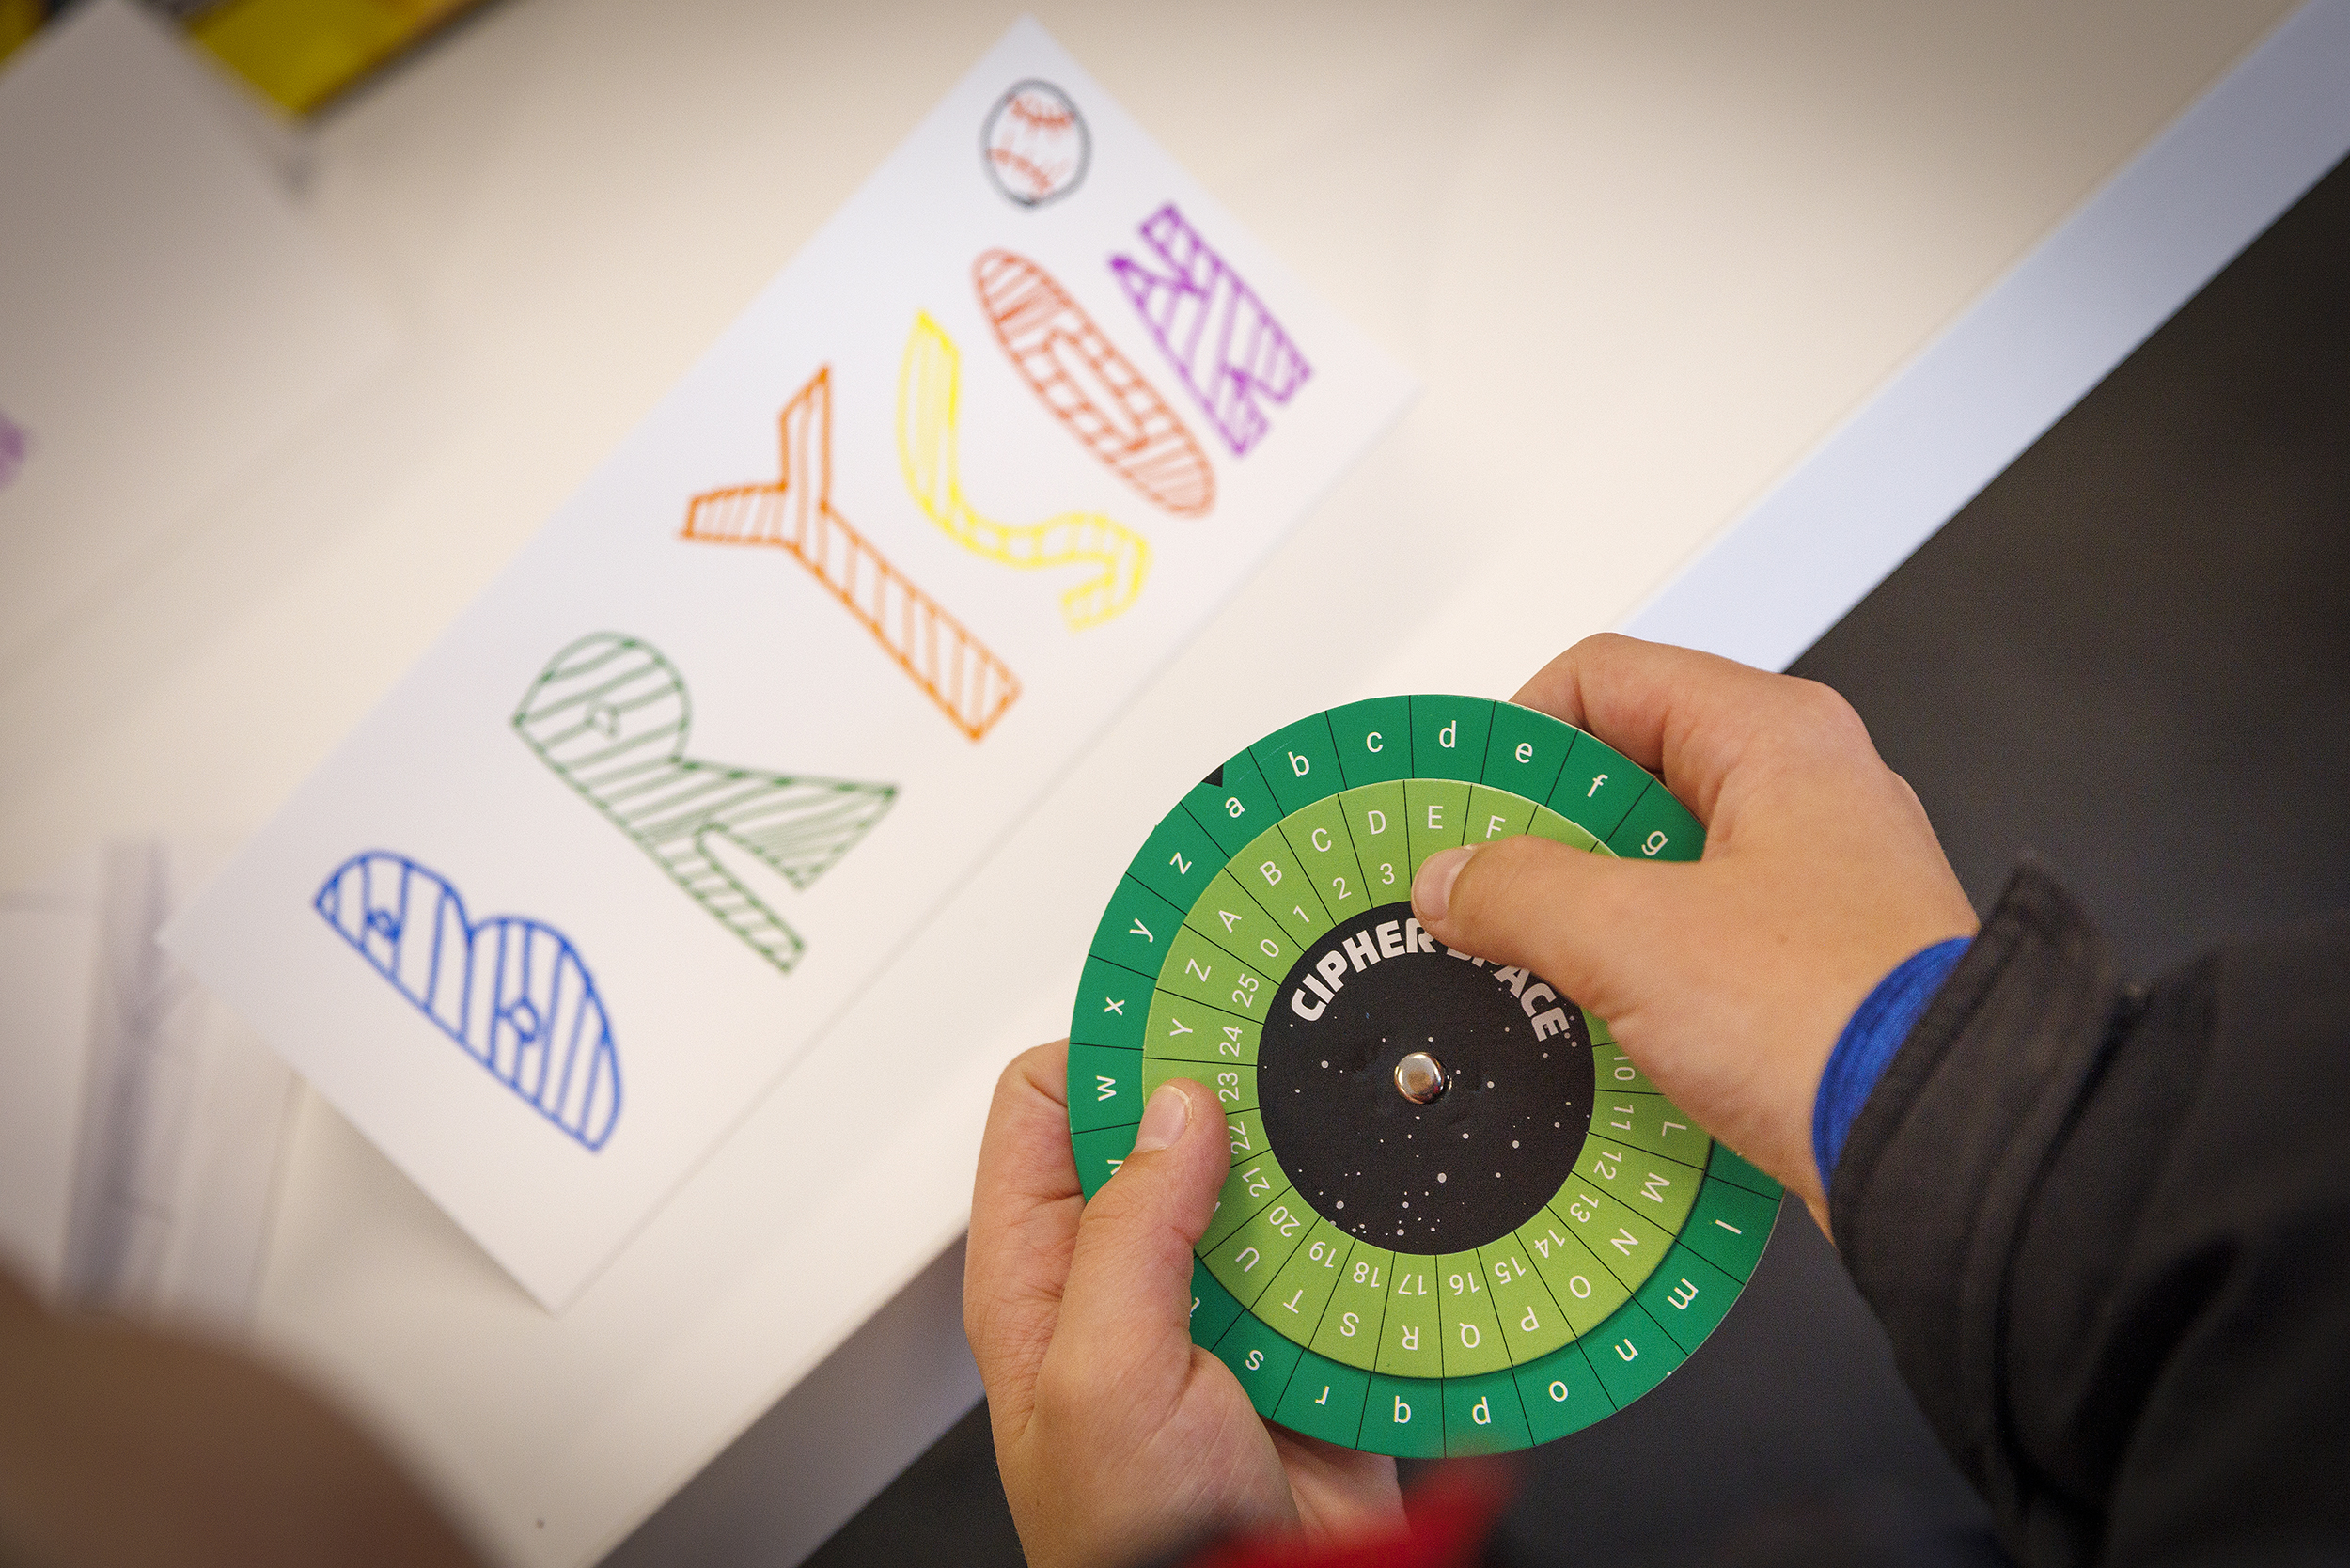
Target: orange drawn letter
<point>969,683</point>
<point>1092,387</point>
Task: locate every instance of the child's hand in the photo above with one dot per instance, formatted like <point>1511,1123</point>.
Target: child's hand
<point>1114,1434</point>
<point>1727,980</point>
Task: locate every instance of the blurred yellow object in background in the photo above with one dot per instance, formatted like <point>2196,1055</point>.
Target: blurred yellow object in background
<point>300,53</point>
<point>297,53</point>
<point>18,20</point>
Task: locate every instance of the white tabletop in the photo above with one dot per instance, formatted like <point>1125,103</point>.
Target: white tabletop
<point>1643,258</point>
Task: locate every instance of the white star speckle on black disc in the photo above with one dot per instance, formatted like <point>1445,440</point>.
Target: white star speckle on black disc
<point>1335,1129</point>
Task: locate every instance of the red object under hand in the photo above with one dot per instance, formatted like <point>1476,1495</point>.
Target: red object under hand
<point>1445,1526</point>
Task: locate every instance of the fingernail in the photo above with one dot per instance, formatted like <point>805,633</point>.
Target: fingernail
<point>1163,1120</point>
<point>1431,890</point>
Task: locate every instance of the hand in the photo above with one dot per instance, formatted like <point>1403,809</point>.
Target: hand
<point>1114,1434</point>
<point>1729,980</point>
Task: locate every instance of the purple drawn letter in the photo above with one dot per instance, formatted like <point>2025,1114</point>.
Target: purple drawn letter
<point>1218,334</point>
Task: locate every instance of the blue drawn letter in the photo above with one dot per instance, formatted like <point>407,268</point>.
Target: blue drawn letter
<point>512,992</point>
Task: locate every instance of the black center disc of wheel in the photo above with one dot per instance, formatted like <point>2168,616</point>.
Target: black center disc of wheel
<point>1470,1166</point>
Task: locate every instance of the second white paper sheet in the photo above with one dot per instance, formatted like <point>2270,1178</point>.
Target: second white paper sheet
<point>611,857</point>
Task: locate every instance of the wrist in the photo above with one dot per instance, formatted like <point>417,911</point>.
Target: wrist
<point>1867,1045</point>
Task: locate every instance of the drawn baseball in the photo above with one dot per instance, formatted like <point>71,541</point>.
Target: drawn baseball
<point>1035,143</point>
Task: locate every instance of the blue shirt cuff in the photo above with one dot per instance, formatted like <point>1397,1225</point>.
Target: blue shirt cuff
<point>1876,1030</point>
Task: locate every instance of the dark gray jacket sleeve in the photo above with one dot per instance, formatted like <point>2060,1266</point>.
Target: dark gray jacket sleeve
<point>2107,1228</point>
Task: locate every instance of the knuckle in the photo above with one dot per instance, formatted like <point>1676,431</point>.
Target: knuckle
<point>1508,896</point>
<point>1122,1201</point>
<point>1825,706</point>
<point>1009,1081</point>
<point>1513,878</point>
<point>1814,697</point>
<point>1037,1067</point>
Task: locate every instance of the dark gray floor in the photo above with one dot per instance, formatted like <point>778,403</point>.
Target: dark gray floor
<point>948,1507</point>
<point>2131,654</point>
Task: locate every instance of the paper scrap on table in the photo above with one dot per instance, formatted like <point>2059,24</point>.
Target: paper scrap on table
<point>140,1134</point>
<point>47,955</point>
<point>167,315</point>
<point>973,467</point>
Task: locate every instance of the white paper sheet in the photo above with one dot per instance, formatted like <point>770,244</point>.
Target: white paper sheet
<point>614,854</point>
<point>166,316</point>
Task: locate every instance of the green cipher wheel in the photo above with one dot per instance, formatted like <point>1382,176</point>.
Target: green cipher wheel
<point>1459,1219</point>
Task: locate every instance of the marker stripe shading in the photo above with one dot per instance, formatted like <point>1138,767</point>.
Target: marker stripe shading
<point>970,684</point>
<point>512,991</point>
<point>1090,387</point>
<point>928,440</point>
<point>611,716</point>
<point>1214,328</point>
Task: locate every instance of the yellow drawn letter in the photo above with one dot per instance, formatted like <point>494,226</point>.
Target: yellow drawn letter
<point>926,440</point>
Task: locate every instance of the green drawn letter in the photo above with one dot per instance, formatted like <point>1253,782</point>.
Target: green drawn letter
<point>610,715</point>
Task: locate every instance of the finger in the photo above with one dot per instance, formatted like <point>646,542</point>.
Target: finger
<point>1128,1302</point>
<point>1580,921</point>
<point>1025,1205</point>
<point>1339,1491</point>
<point>1687,715</point>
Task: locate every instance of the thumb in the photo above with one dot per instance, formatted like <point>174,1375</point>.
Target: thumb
<point>1129,1290</point>
<point>1588,923</point>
